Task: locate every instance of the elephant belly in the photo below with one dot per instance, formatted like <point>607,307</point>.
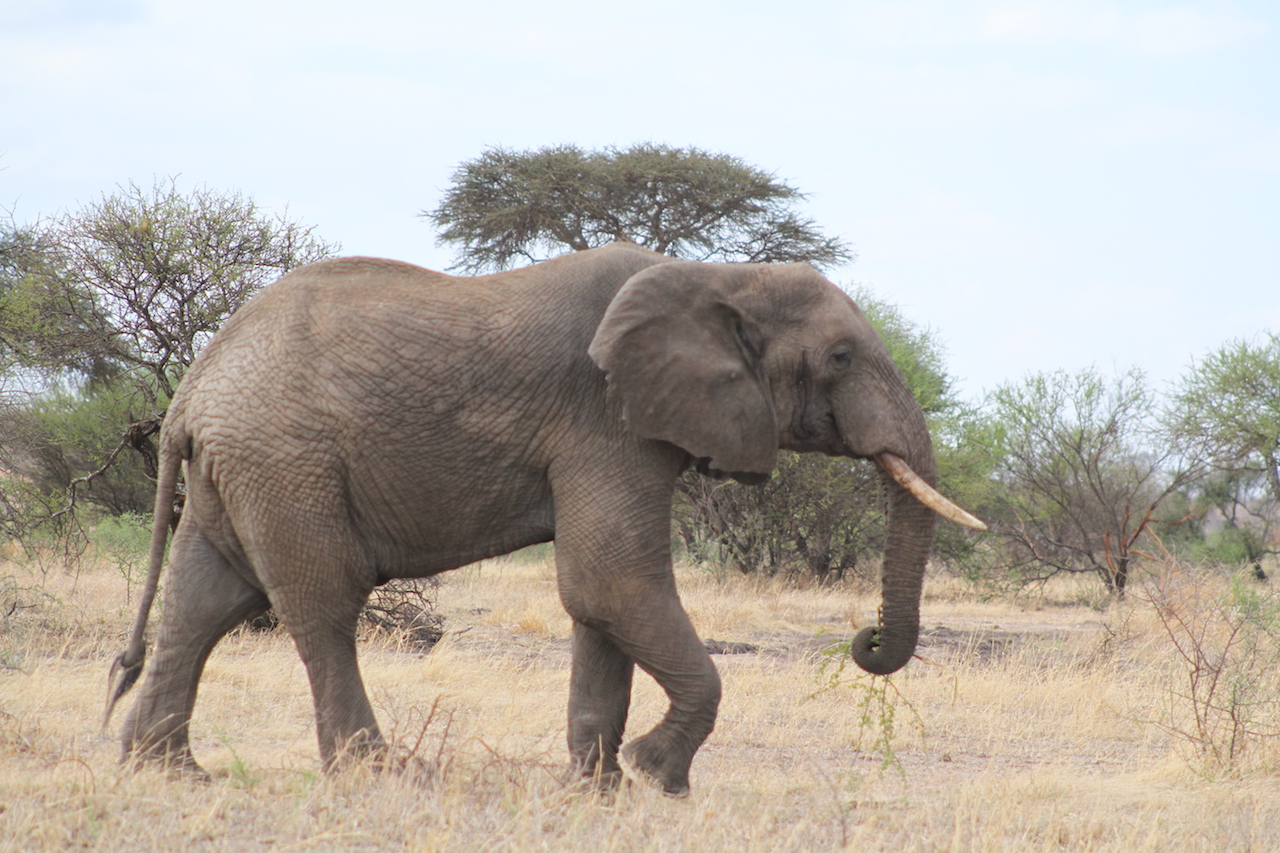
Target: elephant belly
<point>408,517</point>
<point>418,526</point>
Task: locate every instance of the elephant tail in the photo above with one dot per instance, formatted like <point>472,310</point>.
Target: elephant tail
<point>128,666</point>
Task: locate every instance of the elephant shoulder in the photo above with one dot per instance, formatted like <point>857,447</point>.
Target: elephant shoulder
<point>357,272</point>
<point>619,259</point>
<point>626,247</point>
<point>628,258</point>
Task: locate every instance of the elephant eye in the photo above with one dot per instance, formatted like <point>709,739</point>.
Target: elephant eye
<point>841,358</point>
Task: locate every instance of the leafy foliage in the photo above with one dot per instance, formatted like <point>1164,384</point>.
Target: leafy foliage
<point>46,326</point>
<point>1224,517</point>
<point>916,350</point>
<point>139,280</point>
<point>76,433</point>
<point>1226,413</point>
<point>523,206</point>
<point>1227,410</point>
<point>103,310</point>
<point>1079,482</point>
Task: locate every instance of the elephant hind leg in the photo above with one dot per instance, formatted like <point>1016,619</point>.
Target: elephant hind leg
<point>345,725</point>
<point>204,598</point>
<point>320,610</point>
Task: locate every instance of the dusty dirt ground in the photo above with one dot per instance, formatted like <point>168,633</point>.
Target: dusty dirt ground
<point>1024,725</point>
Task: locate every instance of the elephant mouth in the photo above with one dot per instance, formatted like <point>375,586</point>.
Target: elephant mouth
<point>901,472</point>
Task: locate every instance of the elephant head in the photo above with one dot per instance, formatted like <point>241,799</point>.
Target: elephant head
<point>733,362</point>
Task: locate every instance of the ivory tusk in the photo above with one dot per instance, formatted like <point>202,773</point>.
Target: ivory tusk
<point>926,494</point>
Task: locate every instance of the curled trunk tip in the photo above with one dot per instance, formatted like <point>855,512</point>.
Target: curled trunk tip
<point>877,659</point>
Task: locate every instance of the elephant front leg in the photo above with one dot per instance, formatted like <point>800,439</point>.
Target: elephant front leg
<point>599,697</point>
<point>647,625</point>
<point>613,568</point>
<point>669,650</point>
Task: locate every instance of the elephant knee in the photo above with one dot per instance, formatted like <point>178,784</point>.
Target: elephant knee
<point>700,697</point>
<point>712,691</point>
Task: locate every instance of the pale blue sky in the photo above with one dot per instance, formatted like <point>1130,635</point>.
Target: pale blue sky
<point>1046,184</point>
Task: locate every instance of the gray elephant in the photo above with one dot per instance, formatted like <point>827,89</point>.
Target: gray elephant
<point>362,420</point>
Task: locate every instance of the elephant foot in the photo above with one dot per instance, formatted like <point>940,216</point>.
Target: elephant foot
<point>605,787</point>
<point>649,761</point>
<point>597,779</point>
<point>365,748</point>
<point>177,763</point>
<point>190,771</point>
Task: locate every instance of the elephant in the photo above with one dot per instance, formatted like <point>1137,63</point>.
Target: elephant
<point>363,419</point>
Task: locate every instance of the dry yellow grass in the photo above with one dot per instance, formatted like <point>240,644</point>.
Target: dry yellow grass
<point>1035,733</point>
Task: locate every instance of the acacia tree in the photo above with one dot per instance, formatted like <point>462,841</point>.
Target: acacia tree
<point>137,281</point>
<point>507,207</point>
<point>108,306</point>
<point>1081,472</point>
<point>1226,412</point>
<point>504,207</point>
<point>816,516</point>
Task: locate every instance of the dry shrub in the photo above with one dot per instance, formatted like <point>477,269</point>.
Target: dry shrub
<point>403,609</point>
<point>400,613</point>
<point>1223,697</point>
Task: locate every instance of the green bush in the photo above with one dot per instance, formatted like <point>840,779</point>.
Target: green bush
<point>73,433</point>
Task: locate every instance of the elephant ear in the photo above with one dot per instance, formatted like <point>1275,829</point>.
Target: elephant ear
<point>686,366</point>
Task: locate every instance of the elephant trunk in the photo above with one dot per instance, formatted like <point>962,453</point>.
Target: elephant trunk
<point>909,481</point>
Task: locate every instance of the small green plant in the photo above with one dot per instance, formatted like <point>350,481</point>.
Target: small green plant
<point>879,701</point>
<point>305,782</point>
<point>241,775</point>
<point>125,541</point>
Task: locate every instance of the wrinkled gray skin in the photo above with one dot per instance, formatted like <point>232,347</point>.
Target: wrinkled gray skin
<point>363,419</point>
